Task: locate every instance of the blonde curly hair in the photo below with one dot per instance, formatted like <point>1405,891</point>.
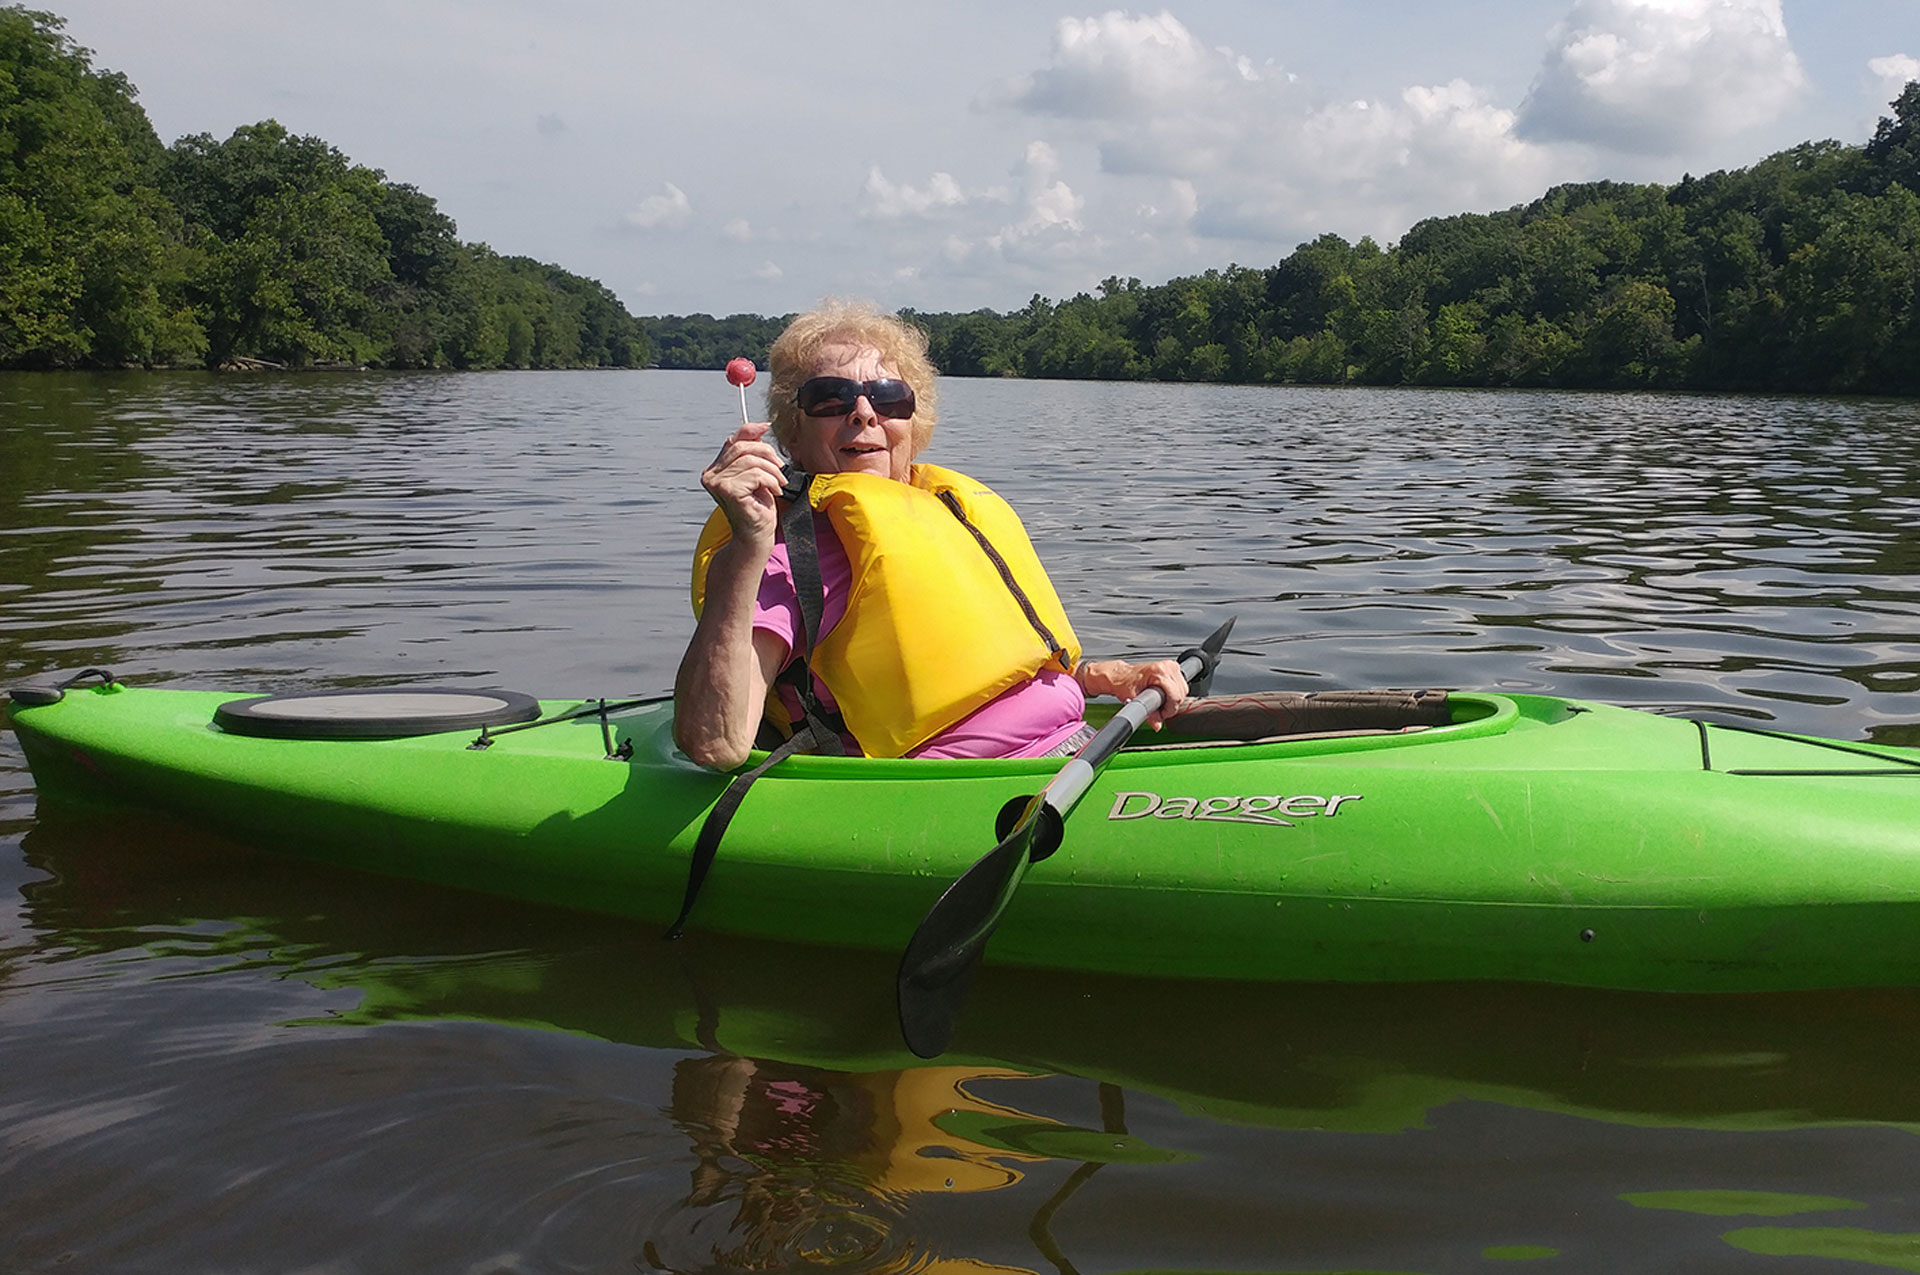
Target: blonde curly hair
<point>797,352</point>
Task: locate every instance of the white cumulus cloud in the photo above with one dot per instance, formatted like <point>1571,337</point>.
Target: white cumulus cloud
<point>1052,225</point>
<point>1160,100</point>
<point>1893,72</point>
<point>1117,66</point>
<point>1657,76</point>
<point>888,200</point>
<point>667,211</point>
<point>1171,151</point>
<point>1050,201</point>
<point>1049,230</point>
<point>1256,153</point>
<point>1379,166</point>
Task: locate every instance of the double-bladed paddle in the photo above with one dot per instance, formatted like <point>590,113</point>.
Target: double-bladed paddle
<point>937,967</point>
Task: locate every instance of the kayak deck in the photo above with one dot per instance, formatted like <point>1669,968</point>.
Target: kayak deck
<point>1525,837</point>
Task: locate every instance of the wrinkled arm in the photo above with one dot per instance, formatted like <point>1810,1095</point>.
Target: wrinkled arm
<point>720,692</point>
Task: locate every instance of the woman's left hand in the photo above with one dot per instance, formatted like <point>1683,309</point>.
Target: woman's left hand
<point>1125,681</point>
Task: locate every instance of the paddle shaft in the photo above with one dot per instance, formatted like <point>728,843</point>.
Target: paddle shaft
<point>1060,796</point>
<point>938,965</point>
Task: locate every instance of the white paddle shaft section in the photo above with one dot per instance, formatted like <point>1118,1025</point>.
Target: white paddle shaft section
<point>1071,784</point>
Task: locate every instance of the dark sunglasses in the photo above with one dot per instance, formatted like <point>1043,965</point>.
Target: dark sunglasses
<point>835,395</point>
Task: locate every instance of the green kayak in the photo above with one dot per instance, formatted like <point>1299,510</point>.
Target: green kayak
<point>1383,838</point>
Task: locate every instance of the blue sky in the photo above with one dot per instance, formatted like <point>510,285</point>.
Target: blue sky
<point>757,156</point>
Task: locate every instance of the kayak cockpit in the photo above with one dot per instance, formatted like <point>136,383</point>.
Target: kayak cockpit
<point>1273,716</point>
<point>1276,723</point>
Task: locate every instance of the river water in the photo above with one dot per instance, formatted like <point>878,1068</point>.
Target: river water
<point>214,1059</point>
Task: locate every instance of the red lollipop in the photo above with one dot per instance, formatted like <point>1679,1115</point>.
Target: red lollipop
<point>740,372</point>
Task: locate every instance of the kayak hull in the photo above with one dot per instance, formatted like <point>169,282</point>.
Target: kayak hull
<point>1533,839</point>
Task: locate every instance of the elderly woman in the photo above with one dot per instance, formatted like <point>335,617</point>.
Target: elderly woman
<point>938,633</point>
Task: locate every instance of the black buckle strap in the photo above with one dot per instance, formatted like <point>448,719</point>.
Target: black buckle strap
<point>707,844</point>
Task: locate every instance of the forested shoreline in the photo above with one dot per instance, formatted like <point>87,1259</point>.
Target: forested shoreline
<point>1800,274</point>
<point>265,248</point>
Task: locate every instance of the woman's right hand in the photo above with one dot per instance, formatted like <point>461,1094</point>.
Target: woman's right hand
<point>745,481</point>
<point>721,688</point>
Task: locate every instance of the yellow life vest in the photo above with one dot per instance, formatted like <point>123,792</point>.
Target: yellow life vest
<point>949,606</point>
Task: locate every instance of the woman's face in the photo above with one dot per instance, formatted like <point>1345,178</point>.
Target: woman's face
<point>862,441</point>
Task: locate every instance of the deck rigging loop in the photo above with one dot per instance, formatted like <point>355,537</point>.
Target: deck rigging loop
<point>40,694</point>
<point>1897,765</point>
<point>602,708</point>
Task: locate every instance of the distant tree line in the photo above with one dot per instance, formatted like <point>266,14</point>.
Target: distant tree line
<point>116,250</point>
<point>702,341</point>
<point>1801,273</point>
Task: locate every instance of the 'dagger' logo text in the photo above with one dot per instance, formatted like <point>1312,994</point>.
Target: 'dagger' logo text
<point>1261,809</point>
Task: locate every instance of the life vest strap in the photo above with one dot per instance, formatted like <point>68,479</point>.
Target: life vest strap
<point>803,559</point>
<point>1054,647</point>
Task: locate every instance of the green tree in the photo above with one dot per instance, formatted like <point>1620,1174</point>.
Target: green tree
<point>1297,288</point>
<point>1524,351</point>
<point>1320,359</point>
<point>88,273</point>
<point>1895,148</point>
<point>1631,340</point>
<point>1850,296</point>
<point>420,306</point>
<point>310,258</point>
<point>973,345</point>
<point>1458,352</point>
<point>1073,343</point>
<point>293,245</point>
<point>1556,273</point>
<point>702,341</point>
<point>1467,254</point>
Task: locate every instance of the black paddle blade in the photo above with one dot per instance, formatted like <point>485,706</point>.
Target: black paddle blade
<point>936,970</point>
<point>928,1014</point>
<point>1208,653</point>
